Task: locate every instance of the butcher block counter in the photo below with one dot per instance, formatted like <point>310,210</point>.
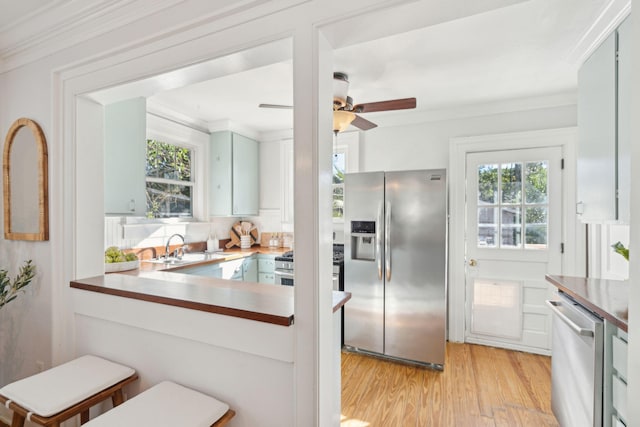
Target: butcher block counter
<point>607,298</point>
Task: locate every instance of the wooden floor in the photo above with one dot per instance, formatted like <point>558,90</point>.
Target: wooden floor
<point>480,387</point>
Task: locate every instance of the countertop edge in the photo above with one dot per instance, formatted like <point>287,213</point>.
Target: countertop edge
<point>183,303</point>
<point>561,283</point>
<point>97,284</point>
<point>340,298</point>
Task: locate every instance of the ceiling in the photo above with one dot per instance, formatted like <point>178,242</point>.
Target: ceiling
<point>14,11</point>
<point>515,52</point>
<point>522,51</point>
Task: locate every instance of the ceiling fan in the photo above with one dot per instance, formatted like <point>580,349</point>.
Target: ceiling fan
<point>345,113</point>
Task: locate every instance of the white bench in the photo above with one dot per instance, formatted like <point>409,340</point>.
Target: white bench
<point>57,394</point>
<point>167,405</point>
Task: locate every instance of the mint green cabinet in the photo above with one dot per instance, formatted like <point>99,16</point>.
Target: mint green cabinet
<point>234,175</point>
<point>125,136</point>
<point>266,267</point>
<point>250,269</point>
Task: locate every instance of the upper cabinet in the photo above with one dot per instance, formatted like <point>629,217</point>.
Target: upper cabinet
<point>624,121</point>
<point>603,175</point>
<point>234,175</point>
<point>125,150</point>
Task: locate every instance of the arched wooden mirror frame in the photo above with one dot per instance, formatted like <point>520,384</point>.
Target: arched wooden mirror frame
<point>43,182</point>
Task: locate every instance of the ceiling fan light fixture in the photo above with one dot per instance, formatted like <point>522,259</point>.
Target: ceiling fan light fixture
<point>342,120</point>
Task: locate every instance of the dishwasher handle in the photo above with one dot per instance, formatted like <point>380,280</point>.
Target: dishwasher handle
<point>553,305</point>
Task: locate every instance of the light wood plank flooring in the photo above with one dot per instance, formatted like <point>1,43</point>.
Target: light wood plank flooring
<point>480,386</point>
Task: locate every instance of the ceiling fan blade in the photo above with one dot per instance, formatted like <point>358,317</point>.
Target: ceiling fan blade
<point>362,123</point>
<point>286,107</point>
<point>393,104</point>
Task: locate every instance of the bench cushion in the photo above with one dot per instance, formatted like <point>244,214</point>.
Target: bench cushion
<point>59,388</point>
<point>165,404</point>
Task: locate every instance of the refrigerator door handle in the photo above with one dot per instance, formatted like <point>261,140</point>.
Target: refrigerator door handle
<point>387,241</point>
<point>379,242</point>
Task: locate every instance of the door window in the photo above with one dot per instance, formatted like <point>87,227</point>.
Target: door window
<point>513,205</point>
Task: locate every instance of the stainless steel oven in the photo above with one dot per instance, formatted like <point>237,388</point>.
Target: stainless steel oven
<point>284,268</point>
<point>284,277</point>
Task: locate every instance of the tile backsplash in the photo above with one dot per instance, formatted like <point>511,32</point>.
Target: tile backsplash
<point>131,232</point>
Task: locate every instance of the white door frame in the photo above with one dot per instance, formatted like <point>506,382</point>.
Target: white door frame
<point>573,261</point>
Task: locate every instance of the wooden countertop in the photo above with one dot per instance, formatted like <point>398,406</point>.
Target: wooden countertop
<point>229,254</point>
<point>253,301</point>
<point>607,298</point>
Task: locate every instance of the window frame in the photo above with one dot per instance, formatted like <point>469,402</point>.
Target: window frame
<point>167,131</point>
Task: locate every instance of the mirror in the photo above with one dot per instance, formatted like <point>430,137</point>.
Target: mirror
<point>26,199</point>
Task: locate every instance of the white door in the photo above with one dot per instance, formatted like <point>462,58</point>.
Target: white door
<point>513,238</point>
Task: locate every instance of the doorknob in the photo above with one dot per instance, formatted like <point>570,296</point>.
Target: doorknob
<point>473,262</point>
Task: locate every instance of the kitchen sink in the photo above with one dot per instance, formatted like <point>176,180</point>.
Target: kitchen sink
<point>186,258</point>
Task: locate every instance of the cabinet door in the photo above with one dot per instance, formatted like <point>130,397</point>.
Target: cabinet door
<point>232,269</point>
<point>624,121</point>
<point>220,174</point>
<point>250,270</point>
<point>268,278</point>
<point>596,168</point>
<point>246,170</point>
<point>266,264</point>
<point>208,270</point>
<point>125,137</point>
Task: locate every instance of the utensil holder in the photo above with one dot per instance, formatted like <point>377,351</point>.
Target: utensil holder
<point>245,241</point>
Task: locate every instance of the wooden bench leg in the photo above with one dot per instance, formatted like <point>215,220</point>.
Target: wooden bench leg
<point>17,420</point>
<point>84,416</point>
<point>224,419</point>
<point>117,398</point>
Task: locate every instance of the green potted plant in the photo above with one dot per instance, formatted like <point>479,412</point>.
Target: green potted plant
<point>620,249</point>
<point>9,289</point>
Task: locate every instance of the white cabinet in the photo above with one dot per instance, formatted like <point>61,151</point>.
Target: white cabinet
<point>125,152</point>
<point>234,175</point>
<point>266,268</point>
<point>615,376</point>
<point>603,168</point>
<point>624,121</point>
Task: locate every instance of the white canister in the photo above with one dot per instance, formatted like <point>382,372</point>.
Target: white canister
<point>245,241</point>
<point>213,244</point>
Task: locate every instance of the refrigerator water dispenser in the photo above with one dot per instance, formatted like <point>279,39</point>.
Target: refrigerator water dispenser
<point>363,240</point>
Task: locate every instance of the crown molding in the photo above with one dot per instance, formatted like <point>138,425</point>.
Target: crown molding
<point>66,23</point>
<point>610,17</point>
<point>461,112</point>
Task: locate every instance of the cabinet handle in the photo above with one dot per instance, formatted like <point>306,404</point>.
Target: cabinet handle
<point>132,205</point>
<point>579,208</point>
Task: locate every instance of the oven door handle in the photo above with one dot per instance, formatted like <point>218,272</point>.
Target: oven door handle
<point>554,306</point>
<point>284,274</point>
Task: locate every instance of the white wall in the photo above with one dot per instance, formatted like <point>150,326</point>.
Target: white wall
<point>426,145</point>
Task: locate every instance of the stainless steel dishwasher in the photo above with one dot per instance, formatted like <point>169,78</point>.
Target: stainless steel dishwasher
<point>576,364</point>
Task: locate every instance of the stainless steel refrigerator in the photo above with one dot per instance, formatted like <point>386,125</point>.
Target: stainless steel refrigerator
<point>396,264</point>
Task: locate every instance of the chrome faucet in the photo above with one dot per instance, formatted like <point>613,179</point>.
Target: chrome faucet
<point>175,253</point>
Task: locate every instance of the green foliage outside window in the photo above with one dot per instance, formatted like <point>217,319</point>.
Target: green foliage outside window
<point>169,176</point>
